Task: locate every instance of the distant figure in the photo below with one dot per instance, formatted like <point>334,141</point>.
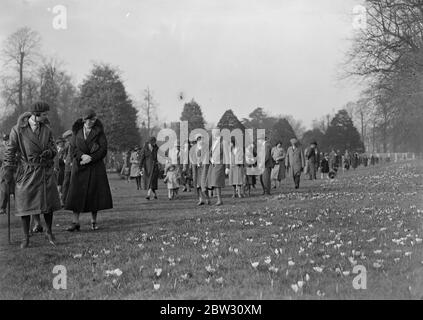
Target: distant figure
<point>89,189</point>
<point>278,171</point>
<point>202,158</point>
<point>150,166</point>
<point>135,171</point>
<point>312,157</point>
<point>251,165</point>
<point>172,181</point>
<point>333,164</point>
<point>295,161</point>
<point>324,166</point>
<point>126,167</point>
<point>236,170</point>
<point>354,161</point>
<point>219,162</point>
<point>269,164</point>
<point>347,160</point>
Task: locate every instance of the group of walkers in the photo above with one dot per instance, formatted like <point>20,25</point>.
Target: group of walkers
<point>46,175</point>
<point>36,170</point>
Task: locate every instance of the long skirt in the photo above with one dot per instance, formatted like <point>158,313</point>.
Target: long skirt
<point>278,171</point>
<point>135,171</point>
<point>216,176</point>
<point>202,177</point>
<point>195,175</point>
<point>236,175</point>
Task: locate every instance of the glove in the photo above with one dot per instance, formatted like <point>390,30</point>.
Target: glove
<point>47,154</point>
<point>226,171</point>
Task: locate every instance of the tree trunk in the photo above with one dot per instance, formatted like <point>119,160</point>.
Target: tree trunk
<point>21,62</point>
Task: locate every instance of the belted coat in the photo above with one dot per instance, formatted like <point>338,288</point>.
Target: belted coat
<point>35,185</point>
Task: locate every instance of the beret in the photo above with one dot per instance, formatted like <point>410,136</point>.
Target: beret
<point>88,114</point>
<point>39,107</point>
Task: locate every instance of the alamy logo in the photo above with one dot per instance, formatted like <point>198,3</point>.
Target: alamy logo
<point>360,281</point>
<point>61,280</point>
<point>60,19</point>
<point>359,18</point>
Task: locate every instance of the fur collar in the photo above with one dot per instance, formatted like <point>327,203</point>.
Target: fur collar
<point>79,124</point>
<point>23,120</point>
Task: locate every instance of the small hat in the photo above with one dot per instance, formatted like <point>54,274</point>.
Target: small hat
<point>67,134</point>
<point>39,107</point>
<point>88,114</point>
<point>314,142</point>
<point>293,140</point>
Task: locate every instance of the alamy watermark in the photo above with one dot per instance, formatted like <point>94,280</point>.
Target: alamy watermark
<point>359,17</point>
<point>219,151</point>
<point>60,19</point>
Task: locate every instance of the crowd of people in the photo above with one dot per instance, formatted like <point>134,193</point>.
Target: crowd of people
<point>45,175</point>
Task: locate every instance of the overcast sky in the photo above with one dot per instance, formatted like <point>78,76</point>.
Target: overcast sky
<point>282,55</point>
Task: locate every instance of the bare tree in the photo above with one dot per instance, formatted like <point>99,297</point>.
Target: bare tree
<point>148,110</point>
<point>20,51</point>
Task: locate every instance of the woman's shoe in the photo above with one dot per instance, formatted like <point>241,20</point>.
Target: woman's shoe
<point>38,229</point>
<point>51,238</point>
<point>74,227</point>
<point>147,197</point>
<point>200,203</point>
<point>94,226</point>
<point>25,243</point>
<point>155,197</point>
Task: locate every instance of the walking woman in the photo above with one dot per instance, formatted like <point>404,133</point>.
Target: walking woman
<point>251,167</point>
<point>89,189</point>
<point>219,162</point>
<point>135,167</point>
<point>203,166</point>
<point>150,167</point>
<point>236,170</point>
<point>278,171</point>
<point>126,167</point>
<point>31,143</point>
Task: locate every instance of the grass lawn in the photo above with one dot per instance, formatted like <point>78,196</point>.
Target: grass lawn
<point>292,245</point>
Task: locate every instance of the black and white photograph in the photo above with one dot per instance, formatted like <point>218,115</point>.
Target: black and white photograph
<point>225,151</point>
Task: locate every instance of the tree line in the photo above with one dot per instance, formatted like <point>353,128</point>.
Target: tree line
<point>387,56</point>
<point>29,76</point>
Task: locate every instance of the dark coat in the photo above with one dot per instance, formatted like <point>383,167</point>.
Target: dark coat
<point>36,185</point>
<point>89,187</point>
<point>148,163</point>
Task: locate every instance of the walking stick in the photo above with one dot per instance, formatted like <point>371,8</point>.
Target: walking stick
<point>8,218</point>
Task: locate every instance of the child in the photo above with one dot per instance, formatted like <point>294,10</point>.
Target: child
<point>172,181</point>
<point>324,165</point>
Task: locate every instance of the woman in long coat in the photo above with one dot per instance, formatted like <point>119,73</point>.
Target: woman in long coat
<point>236,170</point>
<point>89,189</point>
<point>31,143</point>
<point>219,162</point>
<point>150,166</point>
<point>278,171</point>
